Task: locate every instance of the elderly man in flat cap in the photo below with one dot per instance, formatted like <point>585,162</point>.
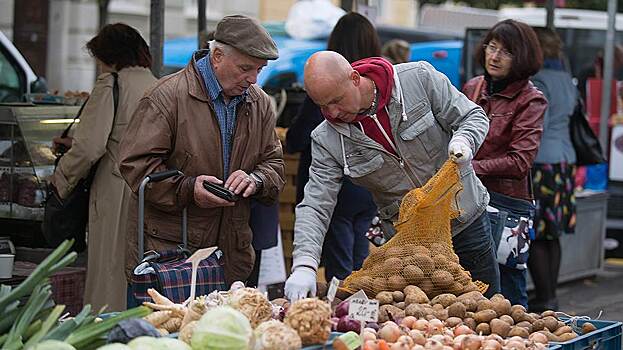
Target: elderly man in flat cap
<point>214,124</point>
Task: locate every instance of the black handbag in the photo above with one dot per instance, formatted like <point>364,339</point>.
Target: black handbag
<point>586,144</point>
<point>67,218</point>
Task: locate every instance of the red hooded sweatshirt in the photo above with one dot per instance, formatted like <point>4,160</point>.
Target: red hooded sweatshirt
<point>381,72</point>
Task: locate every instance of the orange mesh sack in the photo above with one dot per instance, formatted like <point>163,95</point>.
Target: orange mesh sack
<point>421,252</point>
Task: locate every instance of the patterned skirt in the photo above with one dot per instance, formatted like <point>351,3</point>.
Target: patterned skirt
<point>555,199</point>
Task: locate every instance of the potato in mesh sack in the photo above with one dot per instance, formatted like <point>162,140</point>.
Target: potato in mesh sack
<point>421,252</point>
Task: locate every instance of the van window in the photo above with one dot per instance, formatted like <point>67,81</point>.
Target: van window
<point>9,81</point>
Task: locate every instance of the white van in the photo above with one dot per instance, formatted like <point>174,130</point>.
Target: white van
<point>17,79</point>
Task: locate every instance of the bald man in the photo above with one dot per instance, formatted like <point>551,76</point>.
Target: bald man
<point>389,129</point>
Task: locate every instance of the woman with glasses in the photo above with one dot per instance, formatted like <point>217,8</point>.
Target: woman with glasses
<point>510,54</point>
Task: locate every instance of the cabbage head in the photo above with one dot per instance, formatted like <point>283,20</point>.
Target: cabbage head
<point>222,328</point>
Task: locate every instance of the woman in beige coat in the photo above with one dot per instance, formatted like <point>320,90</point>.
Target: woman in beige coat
<point>119,49</point>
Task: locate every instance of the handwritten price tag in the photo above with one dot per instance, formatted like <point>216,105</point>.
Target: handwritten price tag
<point>364,310</point>
<point>333,289</point>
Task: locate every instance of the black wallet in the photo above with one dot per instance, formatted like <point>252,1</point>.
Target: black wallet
<point>220,191</point>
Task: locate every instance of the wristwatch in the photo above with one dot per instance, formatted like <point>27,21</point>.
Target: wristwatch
<point>258,181</point>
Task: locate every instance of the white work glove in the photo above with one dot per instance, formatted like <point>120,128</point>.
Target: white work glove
<point>460,151</point>
<point>301,282</point>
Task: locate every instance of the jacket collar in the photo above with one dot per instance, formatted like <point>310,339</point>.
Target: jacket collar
<point>512,90</point>
<point>196,87</point>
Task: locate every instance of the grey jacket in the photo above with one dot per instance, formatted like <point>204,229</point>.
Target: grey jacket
<point>561,94</point>
<point>425,112</point>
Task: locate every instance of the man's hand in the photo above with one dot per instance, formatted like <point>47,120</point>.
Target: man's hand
<point>205,199</point>
<point>301,282</point>
<point>460,151</point>
<point>64,141</point>
<point>241,182</point>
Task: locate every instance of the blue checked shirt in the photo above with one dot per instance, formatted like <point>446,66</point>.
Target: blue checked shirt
<point>225,112</point>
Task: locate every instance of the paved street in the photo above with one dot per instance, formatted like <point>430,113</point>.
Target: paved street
<point>588,297</point>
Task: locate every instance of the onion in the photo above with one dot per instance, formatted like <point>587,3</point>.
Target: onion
<point>491,344</point>
<point>538,338</point>
<point>462,329</point>
<point>408,321</point>
<point>495,337</point>
<point>371,345</point>
<point>458,341</point>
<point>367,335</point>
<point>421,325</point>
<point>432,344</point>
<point>371,330</point>
<point>471,342</point>
<point>515,345</point>
<point>399,346</point>
<point>373,325</point>
<point>435,326</point>
<point>334,322</point>
<point>342,309</point>
<point>418,347</point>
<point>389,332</point>
<point>418,337</point>
<point>345,324</point>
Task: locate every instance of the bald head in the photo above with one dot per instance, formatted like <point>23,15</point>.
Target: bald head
<point>325,70</point>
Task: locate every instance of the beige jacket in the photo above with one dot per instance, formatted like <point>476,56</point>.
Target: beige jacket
<point>110,196</point>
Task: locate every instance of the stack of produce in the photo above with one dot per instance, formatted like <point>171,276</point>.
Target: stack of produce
<point>421,252</point>
<point>36,323</point>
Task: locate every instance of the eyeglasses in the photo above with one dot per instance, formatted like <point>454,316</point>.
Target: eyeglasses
<point>491,50</point>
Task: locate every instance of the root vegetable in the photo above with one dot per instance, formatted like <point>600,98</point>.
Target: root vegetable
<point>396,282</point>
<point>408,321</point>
<point>499,327</point>
<point>345,324</point>
<point>548,313</point>
<point>484,316</point>
<point>400,305</point>
<point>413,274</point>
<point>470,322</point>
<point>538,325</point>
<point>457,309</point>
<point>384,298</point>
<point>435,326</point>
<point>550,336</point>
<point>563,330</point>
<point>398,296</point>
<point>273,335</point>
<point>567,336</point>
<point>483,328</point>
<point>484,304</point>
<point>421,325</point>
<point>187,331</point>
<point>515,345</point>
<point>471,342</point>
<point>159,298</point>
<point>491,344</point>
<point>442,279</point>
<point>157,318</point>
<point>517,331</point>
<point>441,314</point>
<point>389,313</point>
<point>462,329</point>
<point>342,308</point>
<point>445,299</point>
<point>253,304</point>
<point>588,327</point>
<point>525,324</point>
<point>311,319</point>
<point>389,332</point>
<point>453,322</point>
<point>501,306</point>
<point>415,310</point>
<point>518,315</point>
<point>537,337</point>
<point>406,340</point>
<point>172,325</point>
<point>196,309</point>
<point>392,265</point>
<point>518,307</point>
<point>551,323</point>
<point>507,319</point>
<point>368,336</point>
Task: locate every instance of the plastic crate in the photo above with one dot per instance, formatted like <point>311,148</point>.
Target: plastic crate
<point>607,336</point>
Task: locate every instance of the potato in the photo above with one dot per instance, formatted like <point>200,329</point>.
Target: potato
<point>560,323</point>
<point>444,299</point>
<point>485,304</point>
<point>413,274</point>
<point>469,314</point>
<point>400,305</point>
<point>471,287</point>
<point>551,323</point>
<point>562,330</point>
<point>415,310</point>
<point>441,314</point>
<point>416,297</point>
<point>411,289</point>
<point>441,262</point>
<point>483,328</point>
<point>398,296</point>
<point>518,307</point>
<point>525,324</point>
<point>538,325</point>
<point>454,268</point>
<point>517,331</point>
<point>535,315</point>
<point>437,306</point>
<point>452,257</point>
<point>457,310</point>
<point>471,305</point>
<point>420,249</point>
<point>396,282</point>
<point>442,279</point>
<point>470,322</point>
<point>429,317</point>
<point>548,313</point>
<point>567,336</point>
<point>457,288</point>
<point>501,307</point>
<point>507,319</point>
<point>588,327</point>
<point>390,312</point>
<point>497,296</point>
<point>550,336</point>
<point>424,262</point>
<point>500,327</point>
<point>384,298</point>
<point>484,316</point>
<point>392,265</point>
<point>452,322</point>
<point>518,315</point>
<point>470,295</point>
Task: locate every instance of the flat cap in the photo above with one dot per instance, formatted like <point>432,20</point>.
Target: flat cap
<point>246,35</point>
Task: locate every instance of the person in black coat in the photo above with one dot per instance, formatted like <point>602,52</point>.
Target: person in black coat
<point>345,245</point>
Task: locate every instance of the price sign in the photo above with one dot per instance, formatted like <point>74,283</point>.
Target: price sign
<point>333,289</point>
<point>364,310</point>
